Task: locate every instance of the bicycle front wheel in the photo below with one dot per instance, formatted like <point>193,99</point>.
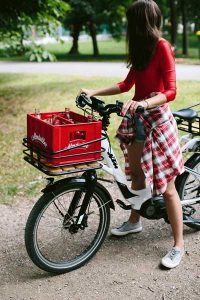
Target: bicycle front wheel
<point>53,240</point>
<point>188,187</point>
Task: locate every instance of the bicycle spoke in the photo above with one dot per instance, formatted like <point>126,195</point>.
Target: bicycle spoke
<point>57,242</point>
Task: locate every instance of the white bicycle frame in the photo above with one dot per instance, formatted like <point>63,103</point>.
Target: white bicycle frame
<point>188,141</point>
<point>111,166</point>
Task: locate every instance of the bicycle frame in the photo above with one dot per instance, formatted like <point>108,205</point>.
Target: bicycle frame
<point>136,198</point>
<point>189,142</point>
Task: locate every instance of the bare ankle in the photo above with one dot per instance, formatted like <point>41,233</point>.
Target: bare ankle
<point>179,245</point>
<point>134,217</point>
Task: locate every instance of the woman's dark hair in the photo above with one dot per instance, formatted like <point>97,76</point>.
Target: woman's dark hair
<point>143,32</point>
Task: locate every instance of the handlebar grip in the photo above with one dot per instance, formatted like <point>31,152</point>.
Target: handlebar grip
<point>96,104</point>
<point>83,100</point>
<point>140,109</point>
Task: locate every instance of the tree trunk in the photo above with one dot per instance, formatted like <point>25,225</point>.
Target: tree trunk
<point>184,22</point>
<point>75,31</point>
<point>173,19</point>
<point>92,29</point>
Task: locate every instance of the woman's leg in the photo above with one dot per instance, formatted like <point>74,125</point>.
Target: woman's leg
<point>174,210</point>
<point>175,214</point>
<point>138,179</point>
<point>138,182</point>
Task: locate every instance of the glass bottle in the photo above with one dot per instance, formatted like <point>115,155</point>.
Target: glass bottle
<point>37,113</point>
<point>90,118</point>
<point>67,113</point>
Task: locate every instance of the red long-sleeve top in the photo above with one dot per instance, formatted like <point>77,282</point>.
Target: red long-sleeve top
<point>158,77</point>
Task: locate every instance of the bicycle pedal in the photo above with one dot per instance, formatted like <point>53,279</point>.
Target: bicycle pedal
<point>123,205</point>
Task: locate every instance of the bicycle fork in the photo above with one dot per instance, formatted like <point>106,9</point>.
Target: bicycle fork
<point>81,220</point>
<point>91,180</point>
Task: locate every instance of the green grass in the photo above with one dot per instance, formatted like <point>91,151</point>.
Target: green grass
<point>20,94</point>
<point>116,51</point>
<point>110,50</point>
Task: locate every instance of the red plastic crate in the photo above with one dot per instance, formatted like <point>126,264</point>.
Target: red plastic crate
<point>66,132</point>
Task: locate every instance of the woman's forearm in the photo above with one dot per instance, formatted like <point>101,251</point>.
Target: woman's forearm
<point>112,90</point>
<point>156,100</point>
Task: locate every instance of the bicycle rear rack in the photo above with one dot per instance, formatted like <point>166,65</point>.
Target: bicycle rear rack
<point>189,126</point>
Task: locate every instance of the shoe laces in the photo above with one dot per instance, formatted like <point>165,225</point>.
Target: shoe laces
<point>122,225</point>
<point>173,253</point>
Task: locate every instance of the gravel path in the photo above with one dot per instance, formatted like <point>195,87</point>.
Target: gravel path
<point>124,268</point>
<point>89,69</point>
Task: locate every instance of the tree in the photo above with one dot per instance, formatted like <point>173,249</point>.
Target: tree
<point>173,21</point>
<point>189,13</point>
<point>184,22</point>
<point>81,13</point>
<point>17,17</point>
<point>193,12</point>
<point>92,14</point>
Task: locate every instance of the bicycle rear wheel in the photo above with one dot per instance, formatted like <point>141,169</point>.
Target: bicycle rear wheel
<point>52,240</point>
<point>188,187</point>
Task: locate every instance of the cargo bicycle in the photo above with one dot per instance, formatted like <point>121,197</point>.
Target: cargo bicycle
<point>69,223</point>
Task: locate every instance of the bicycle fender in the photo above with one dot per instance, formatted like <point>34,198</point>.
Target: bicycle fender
<point>53,186</point>
<point>191,159</point>
<point>187,164</point>
<point>107,194</point>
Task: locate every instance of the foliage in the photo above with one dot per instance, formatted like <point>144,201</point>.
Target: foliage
<point>37,53</point>
<point>81,11</point>
<point>111,13</point>
<point>19,18</point>
<point>92,15</point>
<point>193,11</point>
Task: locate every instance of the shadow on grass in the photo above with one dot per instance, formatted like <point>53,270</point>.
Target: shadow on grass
<point>16,99</point>
<point>63,57</point>
<point>87,57</point>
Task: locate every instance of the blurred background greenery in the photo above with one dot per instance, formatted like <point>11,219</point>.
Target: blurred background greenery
<point>88,29</point>
<point>21,94</point>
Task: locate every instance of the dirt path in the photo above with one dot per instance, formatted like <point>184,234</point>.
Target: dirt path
<point>88,69</point>
<point>124,268</point>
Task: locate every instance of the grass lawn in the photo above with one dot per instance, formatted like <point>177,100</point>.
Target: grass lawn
<point>110,50</point>
<point>20,94</point>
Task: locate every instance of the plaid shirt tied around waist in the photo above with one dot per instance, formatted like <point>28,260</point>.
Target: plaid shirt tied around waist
<point>161,159</point>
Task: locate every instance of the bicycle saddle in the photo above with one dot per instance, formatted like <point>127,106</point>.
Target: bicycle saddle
<point>187,114</point>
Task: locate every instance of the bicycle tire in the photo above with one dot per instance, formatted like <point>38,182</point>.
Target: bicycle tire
<point>187,187</point>
<point>43,208</point>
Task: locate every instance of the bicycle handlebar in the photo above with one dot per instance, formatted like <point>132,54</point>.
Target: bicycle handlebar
<point>98,105</point>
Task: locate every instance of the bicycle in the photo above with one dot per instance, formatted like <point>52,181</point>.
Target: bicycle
<point>187,184</point>
<point>188,121</point>
<point>68,224</point>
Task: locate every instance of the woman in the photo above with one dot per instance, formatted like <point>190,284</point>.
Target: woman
<point>149,140</point>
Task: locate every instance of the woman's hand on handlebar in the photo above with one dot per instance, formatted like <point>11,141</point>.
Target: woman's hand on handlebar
<point>88,92</point>
<point>132,106</point>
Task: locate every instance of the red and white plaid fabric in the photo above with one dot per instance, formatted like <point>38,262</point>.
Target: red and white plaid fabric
<point>161,159</point>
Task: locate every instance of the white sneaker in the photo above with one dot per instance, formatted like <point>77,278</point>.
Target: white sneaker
<point>127,228</point>
<point>173,258</point>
